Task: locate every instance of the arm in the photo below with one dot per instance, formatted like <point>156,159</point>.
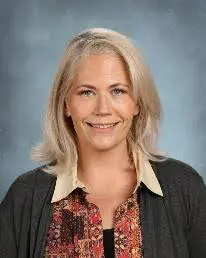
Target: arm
<point>11,209</point>
<point>197,229</point>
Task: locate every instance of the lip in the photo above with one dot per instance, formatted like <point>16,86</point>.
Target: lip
<point>103,130</point>
<point>103,123</point>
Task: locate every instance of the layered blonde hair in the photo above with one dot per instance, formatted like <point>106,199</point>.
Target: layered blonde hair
<point>59,139</point>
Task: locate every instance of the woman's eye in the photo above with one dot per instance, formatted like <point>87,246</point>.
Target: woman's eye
<point>119,91</point>
<point>85,93</point>
<point>88,93</point>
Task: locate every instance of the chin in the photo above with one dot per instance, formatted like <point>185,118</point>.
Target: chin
<point>103,145</point>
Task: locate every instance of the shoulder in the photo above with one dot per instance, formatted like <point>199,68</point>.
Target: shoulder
<point>29,178</point>
<point>173,169</point>
<point>24,185</point>
<point>178,175</point>
<point>23,205</point>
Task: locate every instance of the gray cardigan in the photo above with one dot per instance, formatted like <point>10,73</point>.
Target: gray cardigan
<point>172,227</point>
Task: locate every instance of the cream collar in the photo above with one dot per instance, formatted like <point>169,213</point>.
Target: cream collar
<point>67,179</point>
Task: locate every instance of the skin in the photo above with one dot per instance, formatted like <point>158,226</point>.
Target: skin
<point>101,93</point>
<point>104,103</point>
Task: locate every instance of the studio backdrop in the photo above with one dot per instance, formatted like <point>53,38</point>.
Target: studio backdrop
<point>171,35</point>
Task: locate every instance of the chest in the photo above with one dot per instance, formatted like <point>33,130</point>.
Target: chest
<point>107,207</point>
<point>162,234</point>
<point>78,223</point>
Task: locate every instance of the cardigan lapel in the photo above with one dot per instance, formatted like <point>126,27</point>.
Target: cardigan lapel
<point>41,213</point>
<point>157,241</point>
<point>159,236</point>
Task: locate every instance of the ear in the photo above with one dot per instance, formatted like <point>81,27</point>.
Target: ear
<point>66,109</point>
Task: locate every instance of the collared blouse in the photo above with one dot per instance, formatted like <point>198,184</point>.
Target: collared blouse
<point>76,227</point>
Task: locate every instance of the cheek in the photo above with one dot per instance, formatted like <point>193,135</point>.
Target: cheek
<point>80,110</point>
<point>126,109</point>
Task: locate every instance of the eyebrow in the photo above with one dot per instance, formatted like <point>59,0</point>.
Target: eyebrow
<point>111,86</point>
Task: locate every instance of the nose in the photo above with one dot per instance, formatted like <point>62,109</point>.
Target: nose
<point>103,105</point>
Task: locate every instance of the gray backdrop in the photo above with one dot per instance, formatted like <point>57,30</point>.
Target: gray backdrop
<point>171,34</point>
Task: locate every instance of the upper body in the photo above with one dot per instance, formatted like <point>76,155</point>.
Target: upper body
<point>100,132</point>
<point>173,225</point>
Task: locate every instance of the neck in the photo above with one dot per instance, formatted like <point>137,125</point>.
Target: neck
<point>102,167</point>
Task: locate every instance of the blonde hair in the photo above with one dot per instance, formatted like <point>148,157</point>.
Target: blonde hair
<point>59,142</point>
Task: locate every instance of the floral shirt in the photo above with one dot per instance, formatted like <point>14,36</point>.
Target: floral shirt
<point>76,228</point>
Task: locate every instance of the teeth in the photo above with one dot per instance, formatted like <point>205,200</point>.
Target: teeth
<point>103,126</point>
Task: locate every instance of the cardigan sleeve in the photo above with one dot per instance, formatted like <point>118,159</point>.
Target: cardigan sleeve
<point>10,219</point>
<point>197,228</point>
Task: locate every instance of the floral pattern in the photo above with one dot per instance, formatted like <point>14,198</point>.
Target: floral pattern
<point>76,231</point>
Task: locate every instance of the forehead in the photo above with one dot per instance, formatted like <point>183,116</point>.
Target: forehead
<point>101,68</point>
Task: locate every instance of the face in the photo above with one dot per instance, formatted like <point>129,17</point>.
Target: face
<point>100,103</point>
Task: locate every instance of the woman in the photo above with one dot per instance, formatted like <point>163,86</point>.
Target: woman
<point>104,189</point>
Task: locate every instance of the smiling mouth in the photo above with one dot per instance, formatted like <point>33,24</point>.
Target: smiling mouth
<point>103,126</point>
